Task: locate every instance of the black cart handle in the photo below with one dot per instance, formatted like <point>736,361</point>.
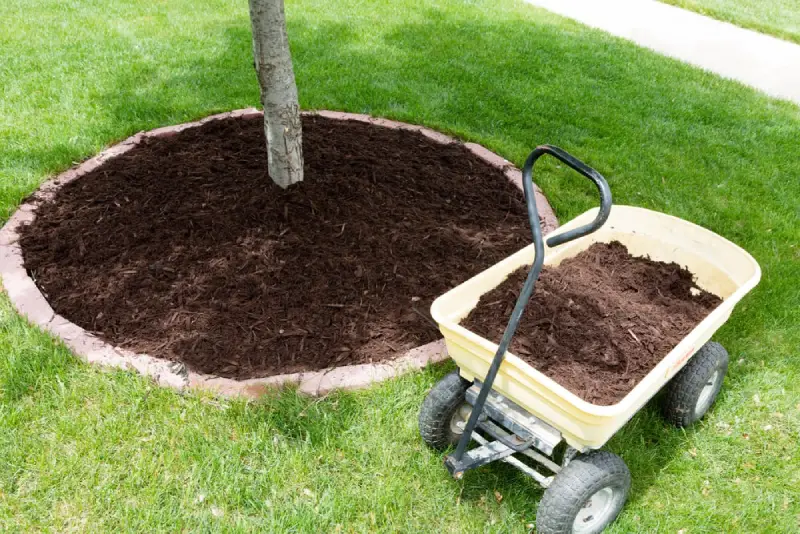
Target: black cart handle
<point>585,170</point>
<point>536,268</point>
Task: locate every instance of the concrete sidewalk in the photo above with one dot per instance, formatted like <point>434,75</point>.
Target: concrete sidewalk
<point>766,63</point>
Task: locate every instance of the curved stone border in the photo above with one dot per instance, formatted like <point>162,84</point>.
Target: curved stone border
<point>29,301</point>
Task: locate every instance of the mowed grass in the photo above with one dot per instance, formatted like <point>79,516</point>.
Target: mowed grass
<point>780,18</point>
<point>82,449</point>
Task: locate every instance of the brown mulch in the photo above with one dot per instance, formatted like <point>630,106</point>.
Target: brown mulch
<point>183,248</point>
<point>598,322</point>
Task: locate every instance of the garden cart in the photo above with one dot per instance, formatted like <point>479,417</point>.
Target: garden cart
<point>517,415</point>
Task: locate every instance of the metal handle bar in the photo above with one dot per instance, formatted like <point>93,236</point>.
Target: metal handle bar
<point>536,268</point>
<point>585,170</point>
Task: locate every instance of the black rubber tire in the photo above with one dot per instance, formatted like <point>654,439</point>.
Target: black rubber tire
<point>438,408</point>
<point>683,391</point>
<point>584,475</point>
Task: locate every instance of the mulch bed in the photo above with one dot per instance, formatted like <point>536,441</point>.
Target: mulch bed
<point>183,247</point>
<point>598,322</point>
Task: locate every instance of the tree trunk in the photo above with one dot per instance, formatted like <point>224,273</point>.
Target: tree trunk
<point>273,64</point>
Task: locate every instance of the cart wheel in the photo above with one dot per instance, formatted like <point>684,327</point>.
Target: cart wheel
<point>585,496</point>
<point>694,389</point>
<point>445,412</point>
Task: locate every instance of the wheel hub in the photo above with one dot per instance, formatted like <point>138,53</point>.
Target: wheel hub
<point>459,419</point>
<point>595,511</point>
<point>707,393</point>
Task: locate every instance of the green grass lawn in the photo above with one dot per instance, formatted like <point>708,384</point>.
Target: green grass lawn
<point>88,450</point>
<point>780,18</point>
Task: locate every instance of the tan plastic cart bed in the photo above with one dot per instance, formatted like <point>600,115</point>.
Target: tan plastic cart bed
<point>720,267</point>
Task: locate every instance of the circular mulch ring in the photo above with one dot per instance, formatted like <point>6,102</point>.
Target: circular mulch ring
<point>177,249</point>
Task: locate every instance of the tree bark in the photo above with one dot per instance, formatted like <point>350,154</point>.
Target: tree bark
<point>273,63</point>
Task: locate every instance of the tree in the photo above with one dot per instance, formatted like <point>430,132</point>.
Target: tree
<point>273,63</point>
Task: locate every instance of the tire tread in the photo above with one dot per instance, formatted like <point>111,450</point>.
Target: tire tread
<point>684,389</point>
<point>570,489</point>
<point>438,407</point>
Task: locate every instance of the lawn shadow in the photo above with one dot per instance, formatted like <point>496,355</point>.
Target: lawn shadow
<point>378,428</point>
<point>647,444</point>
